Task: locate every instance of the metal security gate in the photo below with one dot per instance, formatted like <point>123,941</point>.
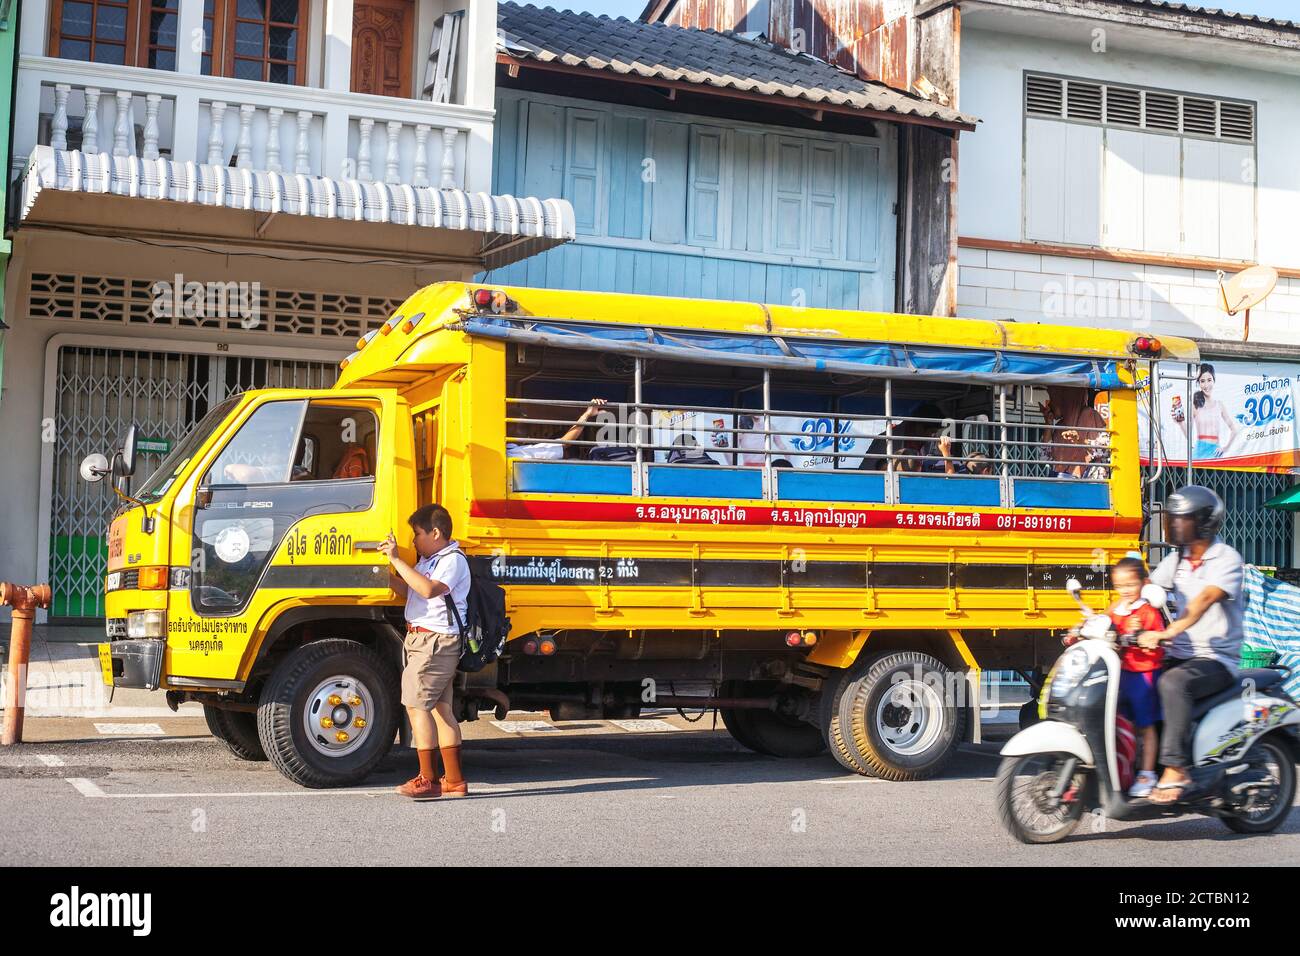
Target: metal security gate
<point>1264,536</point>
<point>99,393</point>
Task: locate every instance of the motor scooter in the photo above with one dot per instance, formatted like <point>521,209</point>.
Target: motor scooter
<point>1245,745</point>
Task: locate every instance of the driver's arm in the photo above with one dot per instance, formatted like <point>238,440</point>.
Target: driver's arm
<point>1196,608</point>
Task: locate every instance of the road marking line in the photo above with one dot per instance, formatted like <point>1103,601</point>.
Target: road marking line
<point>643,726</point>
<point>89,789</point>
<point>129,729</point>
<point>524,726</point>
<point>85,787</point>
<point>50,760</point>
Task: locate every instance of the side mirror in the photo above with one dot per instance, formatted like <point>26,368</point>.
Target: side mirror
<point>94,467</point>
<point>1074,587</point>
<point>128,453</point>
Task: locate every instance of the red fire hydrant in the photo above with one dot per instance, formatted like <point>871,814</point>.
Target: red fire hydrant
<point>24,601</point>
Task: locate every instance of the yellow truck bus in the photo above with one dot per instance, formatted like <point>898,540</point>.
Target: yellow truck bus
<point>822,524</point>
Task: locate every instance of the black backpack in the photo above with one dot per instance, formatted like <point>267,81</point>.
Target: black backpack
<point>483,634</point>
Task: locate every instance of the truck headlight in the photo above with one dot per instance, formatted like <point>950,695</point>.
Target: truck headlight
<point>146,624</point>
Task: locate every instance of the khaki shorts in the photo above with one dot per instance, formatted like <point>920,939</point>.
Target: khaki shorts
<point>430,669</point>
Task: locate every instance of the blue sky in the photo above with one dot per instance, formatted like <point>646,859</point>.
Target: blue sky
<point>1284,9</point>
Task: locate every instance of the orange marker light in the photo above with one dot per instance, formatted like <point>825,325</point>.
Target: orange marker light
<point>547,647</point>
<point>153,579</point>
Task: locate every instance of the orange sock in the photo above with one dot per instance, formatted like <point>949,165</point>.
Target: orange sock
<point>451,762</point>
<point>428,766</point>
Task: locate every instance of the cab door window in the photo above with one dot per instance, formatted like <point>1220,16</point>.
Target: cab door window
<point>261,453</point>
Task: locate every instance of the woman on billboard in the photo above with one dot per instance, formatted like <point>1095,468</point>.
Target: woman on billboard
<point>1210,418</point>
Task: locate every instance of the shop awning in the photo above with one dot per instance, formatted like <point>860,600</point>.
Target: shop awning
<point>1288,500</point>
<point>126,194</point>
<point>868,359</point>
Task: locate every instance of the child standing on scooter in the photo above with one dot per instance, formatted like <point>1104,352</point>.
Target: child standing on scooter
<point>1132,614</point>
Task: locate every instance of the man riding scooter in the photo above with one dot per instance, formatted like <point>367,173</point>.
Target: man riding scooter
<point>1203,644</point>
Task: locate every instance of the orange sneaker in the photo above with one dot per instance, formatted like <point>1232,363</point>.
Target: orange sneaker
<point>420,788</point>
<point>460,789</point>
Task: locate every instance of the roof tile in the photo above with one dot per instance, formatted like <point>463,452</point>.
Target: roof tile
<point>704,57</point>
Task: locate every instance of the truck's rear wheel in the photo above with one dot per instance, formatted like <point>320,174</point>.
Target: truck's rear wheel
<point>237,730</point>
<point>832,693</point>
<point>899,716</point>
<point>769,732</point>
<point>329,712</point>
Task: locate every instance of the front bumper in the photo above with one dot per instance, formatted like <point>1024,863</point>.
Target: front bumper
<point>132,663</point>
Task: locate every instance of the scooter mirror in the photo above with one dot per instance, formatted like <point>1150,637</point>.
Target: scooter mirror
<point>94,467</point>
<point>1074,587</point>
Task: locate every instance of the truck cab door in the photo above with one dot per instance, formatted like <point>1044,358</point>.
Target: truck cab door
<point>292,505</point>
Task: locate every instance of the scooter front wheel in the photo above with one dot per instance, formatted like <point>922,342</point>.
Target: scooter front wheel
<point>1026,806</point>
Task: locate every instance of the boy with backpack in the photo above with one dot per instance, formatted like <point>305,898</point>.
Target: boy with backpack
<point>437,593</point>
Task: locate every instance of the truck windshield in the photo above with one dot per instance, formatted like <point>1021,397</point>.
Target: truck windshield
<point>174,463</point>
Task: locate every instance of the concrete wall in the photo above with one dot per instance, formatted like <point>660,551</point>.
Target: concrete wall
<point>27,345</point>
<point>1079,290</point>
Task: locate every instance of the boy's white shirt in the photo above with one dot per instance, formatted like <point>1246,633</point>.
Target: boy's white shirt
<point>448,568</point>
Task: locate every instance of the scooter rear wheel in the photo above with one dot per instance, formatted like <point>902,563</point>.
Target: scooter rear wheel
<point>1024,805</point>
<point>1276,758</point>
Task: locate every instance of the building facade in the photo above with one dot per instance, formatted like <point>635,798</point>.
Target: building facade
<point>1129,153</point>
<point>221,196</point>
<point>720,165</point>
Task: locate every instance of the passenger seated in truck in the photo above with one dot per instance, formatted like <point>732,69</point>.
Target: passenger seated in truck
<point>549,450</point>
<point>687,451</point>
<point>1069,412</point>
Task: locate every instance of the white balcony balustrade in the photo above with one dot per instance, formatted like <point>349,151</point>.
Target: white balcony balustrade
<point>126,111</point>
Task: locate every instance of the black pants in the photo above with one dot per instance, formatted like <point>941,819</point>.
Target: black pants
<point>1183,682</point>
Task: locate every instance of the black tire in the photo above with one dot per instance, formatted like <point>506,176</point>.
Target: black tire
<point>1029,714</point>
<point>1276,751</point>
<point>215,727</point>
<point>892,755</point>
<point>1008,771</point>
<point>831,695</point>
<point>733,719</point>
<point>237,730</point>
<point>282,712</point>
<point>767,732</point>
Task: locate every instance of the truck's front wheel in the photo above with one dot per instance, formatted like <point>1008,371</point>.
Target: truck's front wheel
<point>237,730</point>
<point>329,712</point>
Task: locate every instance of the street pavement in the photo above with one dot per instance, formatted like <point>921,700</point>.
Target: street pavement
<point>156,789</point>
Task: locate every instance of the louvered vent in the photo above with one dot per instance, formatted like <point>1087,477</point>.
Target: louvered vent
<point>1161,111</point>
<point>1123,106</point>
<point>1044,96</point>
<point>1199,116</point>
<point>1237,121</point>
<point>1090,102</point>
<point>1083,101</point>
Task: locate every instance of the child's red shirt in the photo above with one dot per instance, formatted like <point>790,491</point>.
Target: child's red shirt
<point>1144,617</point>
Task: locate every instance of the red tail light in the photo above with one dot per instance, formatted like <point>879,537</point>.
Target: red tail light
<point>1146,345</point>
<point>494,300</point>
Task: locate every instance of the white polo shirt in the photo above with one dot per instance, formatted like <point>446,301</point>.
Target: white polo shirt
<point>451,569</point>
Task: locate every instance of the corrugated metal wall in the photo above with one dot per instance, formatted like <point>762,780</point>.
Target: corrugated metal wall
<point>868,37</point>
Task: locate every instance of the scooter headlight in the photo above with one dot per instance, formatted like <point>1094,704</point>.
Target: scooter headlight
<point>1069,670</point>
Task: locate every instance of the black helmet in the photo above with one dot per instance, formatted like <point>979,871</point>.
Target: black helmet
<point>1199,503</point>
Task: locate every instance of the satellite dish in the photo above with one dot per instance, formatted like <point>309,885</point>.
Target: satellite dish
<point>1246,290</point>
